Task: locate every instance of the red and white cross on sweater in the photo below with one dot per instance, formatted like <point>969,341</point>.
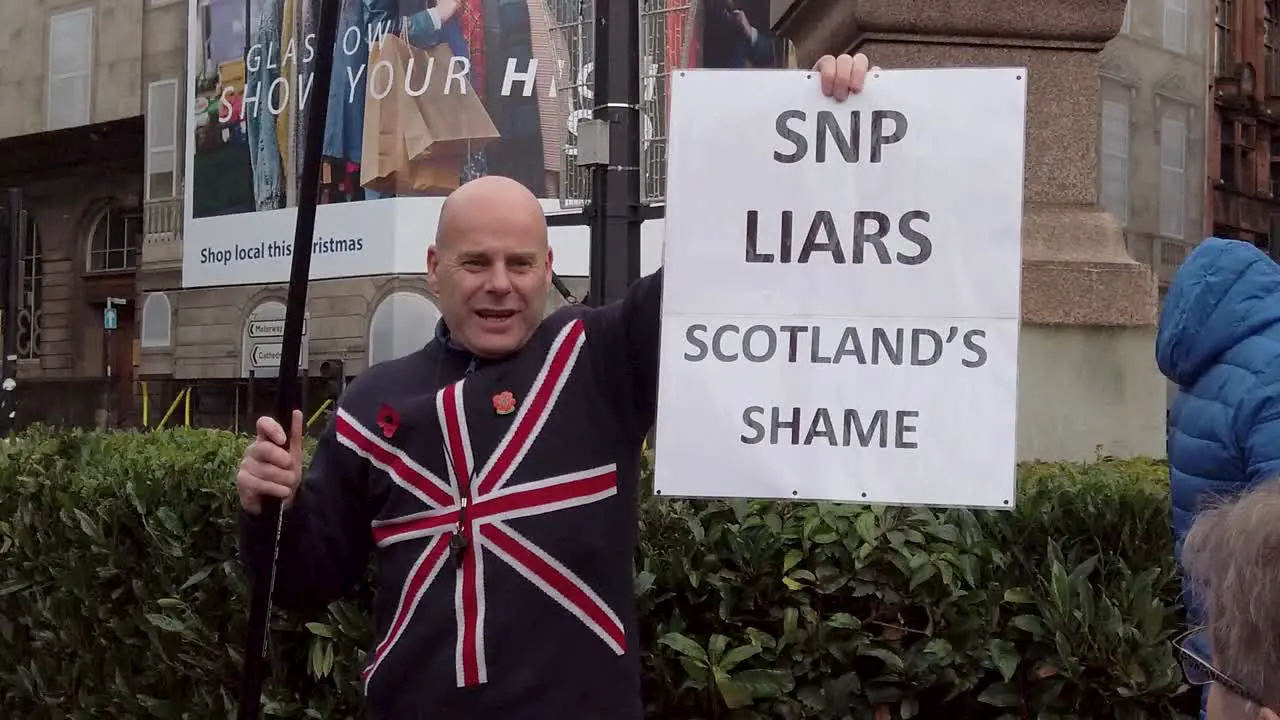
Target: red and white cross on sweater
<point>475,505</point>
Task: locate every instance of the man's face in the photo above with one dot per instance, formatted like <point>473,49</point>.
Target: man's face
<point>491,272</point>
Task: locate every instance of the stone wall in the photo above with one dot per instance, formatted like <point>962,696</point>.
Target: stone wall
<point>65,210</point>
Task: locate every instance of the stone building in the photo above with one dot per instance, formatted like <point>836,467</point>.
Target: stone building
<point>1244,154</point>
<point>88,132</point>
<point>93,131</point>
<point>1153,125</point>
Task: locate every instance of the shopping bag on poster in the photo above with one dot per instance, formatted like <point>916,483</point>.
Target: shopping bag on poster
<point>395,137</point>
<point>457,122</point>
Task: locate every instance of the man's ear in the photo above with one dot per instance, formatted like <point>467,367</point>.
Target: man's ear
<point>550,261</point>
<point>433,265</point>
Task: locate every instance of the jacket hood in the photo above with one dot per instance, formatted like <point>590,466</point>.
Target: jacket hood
<point>1225,292</point>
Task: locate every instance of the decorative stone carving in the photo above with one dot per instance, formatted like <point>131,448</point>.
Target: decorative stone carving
<point>1173,85</point>
<point>1115,65</point>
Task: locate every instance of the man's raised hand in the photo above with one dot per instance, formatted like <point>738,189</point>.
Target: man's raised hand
<point>843,76</point>
<point>268,470</point>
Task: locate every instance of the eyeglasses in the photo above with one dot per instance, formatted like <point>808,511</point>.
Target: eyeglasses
<point>1192,648</point>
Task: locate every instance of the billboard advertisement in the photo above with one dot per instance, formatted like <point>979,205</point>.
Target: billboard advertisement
<point>425,95</point>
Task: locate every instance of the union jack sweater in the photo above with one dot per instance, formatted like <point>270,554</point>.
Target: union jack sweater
<point>500,500</point>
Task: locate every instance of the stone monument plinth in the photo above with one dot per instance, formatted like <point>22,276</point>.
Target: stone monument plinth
<point>1087,381</point>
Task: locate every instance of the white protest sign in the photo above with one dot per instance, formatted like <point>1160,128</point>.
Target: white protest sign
<point>842,286</point>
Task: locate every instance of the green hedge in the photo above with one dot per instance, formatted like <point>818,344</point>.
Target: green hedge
<point>120,597</point>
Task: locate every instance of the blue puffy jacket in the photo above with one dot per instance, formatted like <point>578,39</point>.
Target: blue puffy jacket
<point>1219,340</point>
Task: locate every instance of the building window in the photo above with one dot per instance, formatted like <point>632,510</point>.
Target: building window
<point>1114,175</point>
<point>115,241</point>
<point>1266,143</point>
<point>1274,158</point>
<point>157,321</point>
<point>31,304</point>
<point>1173,178</point>
<point>1247,152</point>
<point>1270,39</point>
<point>402,324</point>
<point>1238,156</point>
<point>1175,25</point>
<point>1222,50</point>
<point>162,140</point>
<point>69,76</point>
<point>1228,165</point>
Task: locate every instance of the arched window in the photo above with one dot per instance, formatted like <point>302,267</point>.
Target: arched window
<point>402,323</point>
<point>115,242</point>
<point>157,321</point>
<point>31,307</point>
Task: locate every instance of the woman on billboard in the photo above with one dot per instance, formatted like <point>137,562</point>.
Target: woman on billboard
<point>425,95</point>
<point>446,96</point>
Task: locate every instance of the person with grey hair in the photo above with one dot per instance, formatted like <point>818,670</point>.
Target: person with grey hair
<point>1230,558</point>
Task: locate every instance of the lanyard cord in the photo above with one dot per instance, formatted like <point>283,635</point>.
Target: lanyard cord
<point>459,543</point>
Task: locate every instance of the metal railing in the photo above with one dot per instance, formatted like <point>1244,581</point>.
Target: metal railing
<point>666,36</point>
<point>161,403</point>
<point>162,222</point>
<point>573,38</point>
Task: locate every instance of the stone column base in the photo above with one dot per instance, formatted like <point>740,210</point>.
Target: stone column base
<point>1089,391</point>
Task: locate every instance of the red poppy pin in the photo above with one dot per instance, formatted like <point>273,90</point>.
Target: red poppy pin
<point>504,403</point>
<point>388,420</point>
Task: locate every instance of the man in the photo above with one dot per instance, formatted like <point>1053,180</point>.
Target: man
<point>1219,340</point>
<point>1230,557</point>
<point>495,472</point>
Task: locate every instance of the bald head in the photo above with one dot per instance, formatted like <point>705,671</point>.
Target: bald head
<point>491,201</point>
<point>490,266</point>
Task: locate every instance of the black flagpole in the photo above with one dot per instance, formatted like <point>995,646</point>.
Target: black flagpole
<point>614,210</point>
<point>255,651</point>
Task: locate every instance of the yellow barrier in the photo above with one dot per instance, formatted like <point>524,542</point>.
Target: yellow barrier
<point>184,398</point>
<point>316,415</point>
<point>184,394</point>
